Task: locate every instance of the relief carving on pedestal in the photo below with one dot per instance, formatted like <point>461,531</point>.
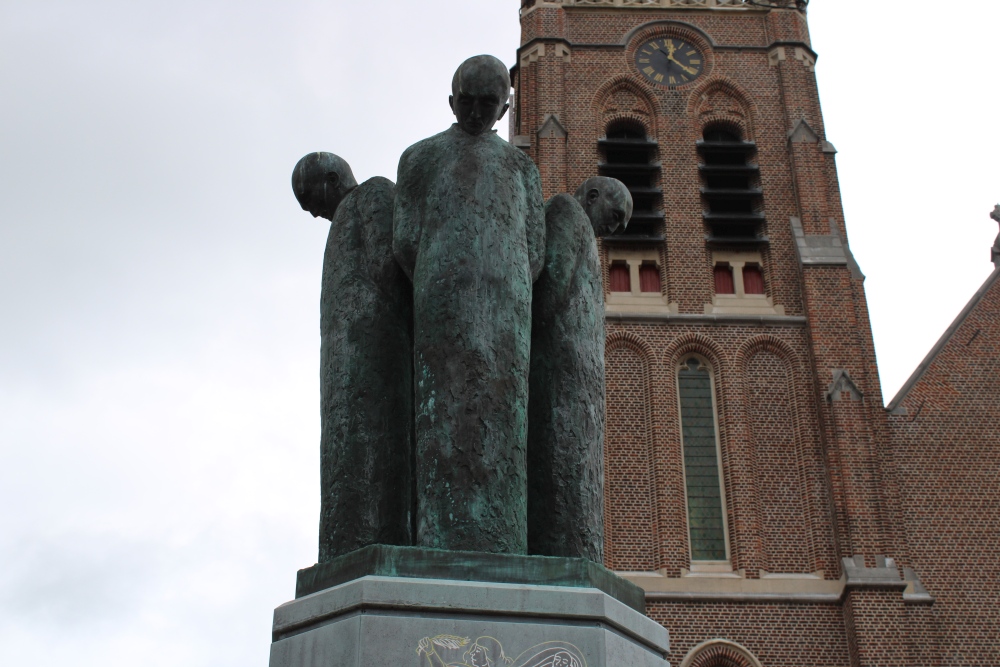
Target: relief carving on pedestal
<point>453,651</point>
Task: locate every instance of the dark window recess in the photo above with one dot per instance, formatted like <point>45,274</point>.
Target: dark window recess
<point>730,189</point>
<point>724,279</point>
<point>753,280</point>
<point>621,281</point>
<point>649,278</point>
<point>630,156</point>
<point>701,463</point>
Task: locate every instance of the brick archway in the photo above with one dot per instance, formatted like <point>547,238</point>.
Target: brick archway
<point>720,653</point>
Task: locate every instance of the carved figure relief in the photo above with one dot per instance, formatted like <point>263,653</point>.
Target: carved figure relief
<point>453,651</point>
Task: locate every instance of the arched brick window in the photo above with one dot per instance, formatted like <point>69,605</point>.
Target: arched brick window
<point>720,653</point>
<point>702,470</point>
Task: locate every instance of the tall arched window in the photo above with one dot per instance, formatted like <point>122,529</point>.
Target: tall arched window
<point>702,472</point>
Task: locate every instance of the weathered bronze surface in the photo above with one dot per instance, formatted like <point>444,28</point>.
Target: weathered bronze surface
<point>432,333</point>
<point>566,409</point>
<point>418,563</point>
<point>365,362</point>
<point>469,232</point>
<point>995,250</point>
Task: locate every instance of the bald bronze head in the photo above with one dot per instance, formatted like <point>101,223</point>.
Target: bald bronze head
<point>608,203</point>
<point>479,92</point>
<point>320,182</point>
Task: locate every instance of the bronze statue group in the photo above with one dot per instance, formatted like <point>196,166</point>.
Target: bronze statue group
<point>462,354</point>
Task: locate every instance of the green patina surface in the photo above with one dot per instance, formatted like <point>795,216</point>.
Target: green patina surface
<point>566,397</point>
<point>469,231</point>
<point>428,339</point>
<point>414,562</point>
<point>365,379</point>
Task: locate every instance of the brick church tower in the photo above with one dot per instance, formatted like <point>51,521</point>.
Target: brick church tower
<point>750,482</point>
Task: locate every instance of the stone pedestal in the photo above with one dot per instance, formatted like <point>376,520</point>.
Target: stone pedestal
<point>398,621</point>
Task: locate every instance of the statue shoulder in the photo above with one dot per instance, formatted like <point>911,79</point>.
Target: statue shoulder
<point>507,151</point>
<point>519,156</point>
<point>373,198</point>
<point>562,204</point>
<point>563,214</point>
<point>379,185</point>
<point>421,150</point>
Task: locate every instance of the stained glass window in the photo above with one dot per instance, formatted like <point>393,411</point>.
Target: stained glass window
<point>701,463</point>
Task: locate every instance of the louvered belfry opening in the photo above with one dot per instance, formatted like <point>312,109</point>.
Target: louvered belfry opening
<point>630,156</point>
<point>731,194</point>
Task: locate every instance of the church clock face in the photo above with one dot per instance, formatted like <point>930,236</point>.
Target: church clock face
<point>668,61</point>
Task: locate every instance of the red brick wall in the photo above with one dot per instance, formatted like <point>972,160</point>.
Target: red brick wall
<point>776,634</point>
<point>644,455</point>
<point>808,480</point>
<point>779,466</point>
<point>630,544</point>
<point>947,453</point>
<point>583,93</point>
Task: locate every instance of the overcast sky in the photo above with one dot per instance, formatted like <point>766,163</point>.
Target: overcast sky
<point>159,420</point>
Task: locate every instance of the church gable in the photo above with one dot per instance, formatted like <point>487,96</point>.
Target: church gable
<point>945,456</point>
<point>964,360</point>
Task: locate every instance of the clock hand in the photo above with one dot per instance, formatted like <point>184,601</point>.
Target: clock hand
<point>686,69</point>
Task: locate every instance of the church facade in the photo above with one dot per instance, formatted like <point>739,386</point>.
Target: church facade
<point>774,511</point>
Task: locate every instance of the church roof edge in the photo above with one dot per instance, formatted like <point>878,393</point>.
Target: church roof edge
<point>918,373</point>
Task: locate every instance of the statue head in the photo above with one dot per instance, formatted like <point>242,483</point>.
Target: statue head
<point>607,202</point>
<point>479,92</point>
<point>320,181</point>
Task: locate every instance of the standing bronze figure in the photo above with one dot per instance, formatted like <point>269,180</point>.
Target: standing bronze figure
<point>566,409</point>
<point>469,232</point>
<point>366,450</point>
